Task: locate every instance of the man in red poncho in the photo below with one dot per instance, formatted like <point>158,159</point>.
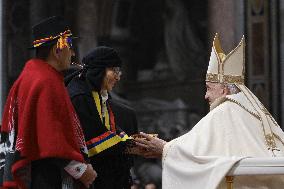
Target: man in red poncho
<point>42,144</point>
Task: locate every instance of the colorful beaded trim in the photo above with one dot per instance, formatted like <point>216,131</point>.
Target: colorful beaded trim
<point>63,41</point>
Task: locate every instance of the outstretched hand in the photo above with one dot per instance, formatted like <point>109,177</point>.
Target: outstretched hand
<point>152,146</point>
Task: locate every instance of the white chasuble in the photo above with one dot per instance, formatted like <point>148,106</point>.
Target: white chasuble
<point>201,158</point>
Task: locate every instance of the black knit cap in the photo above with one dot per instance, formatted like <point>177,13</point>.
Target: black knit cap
<point>96,62</point>
<point>49,27</point>
<point>102,57</point>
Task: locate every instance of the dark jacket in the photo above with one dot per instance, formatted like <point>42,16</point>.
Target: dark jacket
<point>125,117</point>
<point>112,164</point>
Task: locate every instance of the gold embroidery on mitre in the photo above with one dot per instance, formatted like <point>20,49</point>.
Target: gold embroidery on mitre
<point>218,78</point>
<point>222,56</point>
<point>223,76</point>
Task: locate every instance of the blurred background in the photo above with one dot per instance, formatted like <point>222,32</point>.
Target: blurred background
<point>165,46</point>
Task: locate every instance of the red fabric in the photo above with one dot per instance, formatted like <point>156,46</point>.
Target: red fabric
<point>106,134</point>
<point>99,138</point>
<point>40,110</point>
<point>111,118</point>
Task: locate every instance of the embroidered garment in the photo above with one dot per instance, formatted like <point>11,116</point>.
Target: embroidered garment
<point>100,131</point>
<point>39,122</point>
<point>106,142</point>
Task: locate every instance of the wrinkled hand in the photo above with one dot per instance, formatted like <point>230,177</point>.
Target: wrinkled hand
<point>136,150</point>
<point>152,146</point>
<point>88,176</point>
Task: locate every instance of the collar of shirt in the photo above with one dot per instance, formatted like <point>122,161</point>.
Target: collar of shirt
<point>104,95</point>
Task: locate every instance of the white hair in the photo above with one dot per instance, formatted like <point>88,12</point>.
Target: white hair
<point>233,89</point>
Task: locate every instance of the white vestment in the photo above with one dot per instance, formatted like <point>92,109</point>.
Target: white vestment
<point>234,129</point>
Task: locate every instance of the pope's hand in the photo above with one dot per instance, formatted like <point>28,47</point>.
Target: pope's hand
<point>153,146</point>
<point>136,150</point>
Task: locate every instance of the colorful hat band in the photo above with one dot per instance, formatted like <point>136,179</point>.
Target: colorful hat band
<point>63,41</point>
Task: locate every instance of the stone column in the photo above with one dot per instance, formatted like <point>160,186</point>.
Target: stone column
<point>37,12</point>
<point>45,8</point>
<point>86,24</point>
<point>281,41</point>
<point>275,58</point>
<point>17,37</point>
<point>226,17</point>
<point>94,21</point>
<point>2,81</point>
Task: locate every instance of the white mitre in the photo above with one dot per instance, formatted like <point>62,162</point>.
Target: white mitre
<point>228,68</point>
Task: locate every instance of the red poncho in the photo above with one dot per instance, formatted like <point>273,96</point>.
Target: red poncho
<point>39,111</point>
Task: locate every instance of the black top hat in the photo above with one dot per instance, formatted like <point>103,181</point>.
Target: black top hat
<point>49,31</point>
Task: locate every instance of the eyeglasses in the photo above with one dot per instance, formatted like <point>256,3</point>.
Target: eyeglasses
<point>117,71</point>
